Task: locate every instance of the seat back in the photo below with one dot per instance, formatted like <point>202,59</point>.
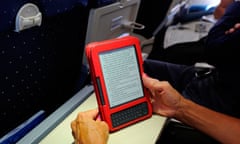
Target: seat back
<point>41,65</point>
<point>151,14</point>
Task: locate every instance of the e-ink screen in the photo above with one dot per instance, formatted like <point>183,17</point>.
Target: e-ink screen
<point>121,75</point>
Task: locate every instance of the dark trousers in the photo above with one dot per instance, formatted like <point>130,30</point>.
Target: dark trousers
<point>204,90</point>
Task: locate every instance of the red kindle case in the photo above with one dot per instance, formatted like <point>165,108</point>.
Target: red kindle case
<point>116,67</point>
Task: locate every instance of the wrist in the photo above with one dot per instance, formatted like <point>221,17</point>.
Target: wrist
<point>183,107</point>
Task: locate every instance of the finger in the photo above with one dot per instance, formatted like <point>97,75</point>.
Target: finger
<point>73,127</point>
<point>104,125</point>
<point>151,84</point>
<point>231,30</point>
<point>154,86</point>
<point>98,117</point>
<point>77,132</point>
<point>147,81</point>
<point>237,26</point>
<point>86,115</point>
<point>227,32</point>
<point>92,113</point>
<point>105,128</point>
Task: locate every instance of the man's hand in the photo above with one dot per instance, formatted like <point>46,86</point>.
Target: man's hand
<point>165,99</point>
<point>233,29</point>
<point>87,130</point>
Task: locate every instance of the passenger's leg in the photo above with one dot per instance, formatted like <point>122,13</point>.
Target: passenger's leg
<point>178,75</point>
<point>202,90</point>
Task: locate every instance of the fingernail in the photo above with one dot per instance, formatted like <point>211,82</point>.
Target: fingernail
<point>144,74</point>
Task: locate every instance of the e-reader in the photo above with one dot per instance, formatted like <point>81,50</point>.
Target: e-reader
<point>116,67</point>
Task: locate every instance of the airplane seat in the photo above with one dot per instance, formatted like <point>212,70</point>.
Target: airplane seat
<point>41,64</point>
<point>22,62</point>
<point>64,23</point>
<point>151,14</point>
<point>185,28</point>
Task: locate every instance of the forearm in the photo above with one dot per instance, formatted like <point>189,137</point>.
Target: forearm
<point>223,128</point>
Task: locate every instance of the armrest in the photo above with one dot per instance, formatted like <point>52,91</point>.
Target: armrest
<point>20,131</point>
<point>203,69</point>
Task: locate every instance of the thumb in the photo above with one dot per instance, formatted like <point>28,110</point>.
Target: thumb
<point>147,81</point>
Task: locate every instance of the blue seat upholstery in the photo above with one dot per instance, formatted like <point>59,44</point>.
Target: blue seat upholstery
<point>40,66</point>
<point>52,8</point>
